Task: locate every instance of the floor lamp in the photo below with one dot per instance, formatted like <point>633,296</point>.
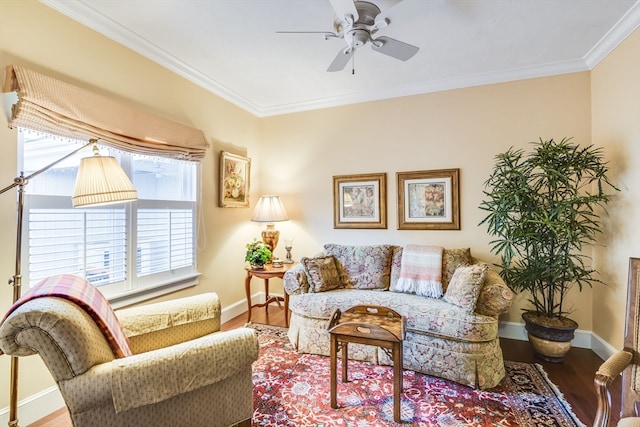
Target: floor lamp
<point>100,181</point>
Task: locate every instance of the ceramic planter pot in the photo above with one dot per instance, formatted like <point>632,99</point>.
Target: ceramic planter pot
<point>550,338</point>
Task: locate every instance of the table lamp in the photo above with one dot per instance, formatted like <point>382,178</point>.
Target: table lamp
<point>270,209</point>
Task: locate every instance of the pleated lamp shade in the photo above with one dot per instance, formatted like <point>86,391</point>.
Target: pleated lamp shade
<point>270,209</point>
<point>101,181</point>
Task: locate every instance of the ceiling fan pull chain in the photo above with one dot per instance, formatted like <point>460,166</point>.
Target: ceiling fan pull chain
<point>353,64</point>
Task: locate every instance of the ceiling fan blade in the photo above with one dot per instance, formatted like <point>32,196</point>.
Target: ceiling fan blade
<point>345,8</point>
<point>394,48</point>
<point>341,60</point>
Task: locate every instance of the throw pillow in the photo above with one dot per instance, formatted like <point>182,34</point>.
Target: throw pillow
<point>322,272</point>
<point>362,267</point>
<point>465,286</point>
<point>452,259</point>
<point>396,265</point>
<point>494,297</point>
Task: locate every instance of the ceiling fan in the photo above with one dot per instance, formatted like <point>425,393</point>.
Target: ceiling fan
<point>357,22</point>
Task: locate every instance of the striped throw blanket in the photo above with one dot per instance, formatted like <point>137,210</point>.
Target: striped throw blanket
<point>421,271</point>
<point>79,291</point>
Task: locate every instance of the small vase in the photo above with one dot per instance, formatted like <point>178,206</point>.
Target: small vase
<point>256,266</point>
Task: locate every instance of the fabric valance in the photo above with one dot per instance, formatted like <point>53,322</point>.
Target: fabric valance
<point>49,105</point>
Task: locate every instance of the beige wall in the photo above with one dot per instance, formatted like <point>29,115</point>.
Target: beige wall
<point>615,87</point>
<point>296,155</point>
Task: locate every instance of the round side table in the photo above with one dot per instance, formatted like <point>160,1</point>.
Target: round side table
<point>266,273</point>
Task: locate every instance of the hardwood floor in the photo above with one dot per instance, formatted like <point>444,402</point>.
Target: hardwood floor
<point>574,376</point>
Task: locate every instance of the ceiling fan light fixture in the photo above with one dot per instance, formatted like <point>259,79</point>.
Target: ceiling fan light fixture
<point>357,38</point>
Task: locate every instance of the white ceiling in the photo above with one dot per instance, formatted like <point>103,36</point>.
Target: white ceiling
<point>232,48</point>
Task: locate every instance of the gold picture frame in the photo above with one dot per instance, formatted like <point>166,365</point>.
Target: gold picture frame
<point>429,200</point>
<point>360,201</point>
<point>235,175</point>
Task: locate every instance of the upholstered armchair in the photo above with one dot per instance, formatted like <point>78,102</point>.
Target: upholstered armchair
<point>183,371</point>
<point>625,362</point>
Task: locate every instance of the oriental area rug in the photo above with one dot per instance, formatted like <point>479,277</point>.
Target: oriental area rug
<point>292,389</point>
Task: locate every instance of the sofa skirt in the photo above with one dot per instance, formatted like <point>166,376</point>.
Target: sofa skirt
<point>475,364</point>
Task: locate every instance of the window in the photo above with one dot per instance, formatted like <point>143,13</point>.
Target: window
<point>125,249</point>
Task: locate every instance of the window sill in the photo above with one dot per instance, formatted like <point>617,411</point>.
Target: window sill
<point>136,296</point>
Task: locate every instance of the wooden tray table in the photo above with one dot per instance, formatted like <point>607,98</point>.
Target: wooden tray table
<point>370,325</point>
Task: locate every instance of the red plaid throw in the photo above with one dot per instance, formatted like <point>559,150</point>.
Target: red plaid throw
<point>79,291</point>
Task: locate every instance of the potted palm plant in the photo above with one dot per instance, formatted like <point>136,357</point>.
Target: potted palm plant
<point>258,254</point>
<point>543,208</point>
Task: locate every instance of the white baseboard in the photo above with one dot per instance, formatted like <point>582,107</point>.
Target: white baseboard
<point>47,401</point>
<point>601,347</point>
<point>35,407</point>
<point>512,330</point>
<point>236,309</point>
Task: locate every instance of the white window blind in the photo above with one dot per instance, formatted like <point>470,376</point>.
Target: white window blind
<point>90,243</point>
<point>165,240</point>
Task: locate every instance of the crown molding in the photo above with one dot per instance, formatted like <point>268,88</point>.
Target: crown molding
<point>440,85</point>
<point>623,28</point>
<point>84,14</point>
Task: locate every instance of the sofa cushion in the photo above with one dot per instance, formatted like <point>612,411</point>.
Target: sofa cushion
<point>465,285</point>
<point>452,259</point>
<point>423,315</point>
<point>322,272</point>
<point>362,267</point>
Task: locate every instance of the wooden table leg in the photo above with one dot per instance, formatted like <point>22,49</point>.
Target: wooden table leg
<point>345,357</point>
<point>333,373</point>
<point>266,296</point>
<point>247,289</point>
<point>397,380</point>
<point>286,309</point>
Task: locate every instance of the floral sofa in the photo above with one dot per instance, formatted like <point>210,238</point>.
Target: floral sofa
<point>453,336</point>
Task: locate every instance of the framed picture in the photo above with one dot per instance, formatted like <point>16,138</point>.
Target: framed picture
<point>428,200</point>
<point>360,201</point>
<point>234,180</point>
